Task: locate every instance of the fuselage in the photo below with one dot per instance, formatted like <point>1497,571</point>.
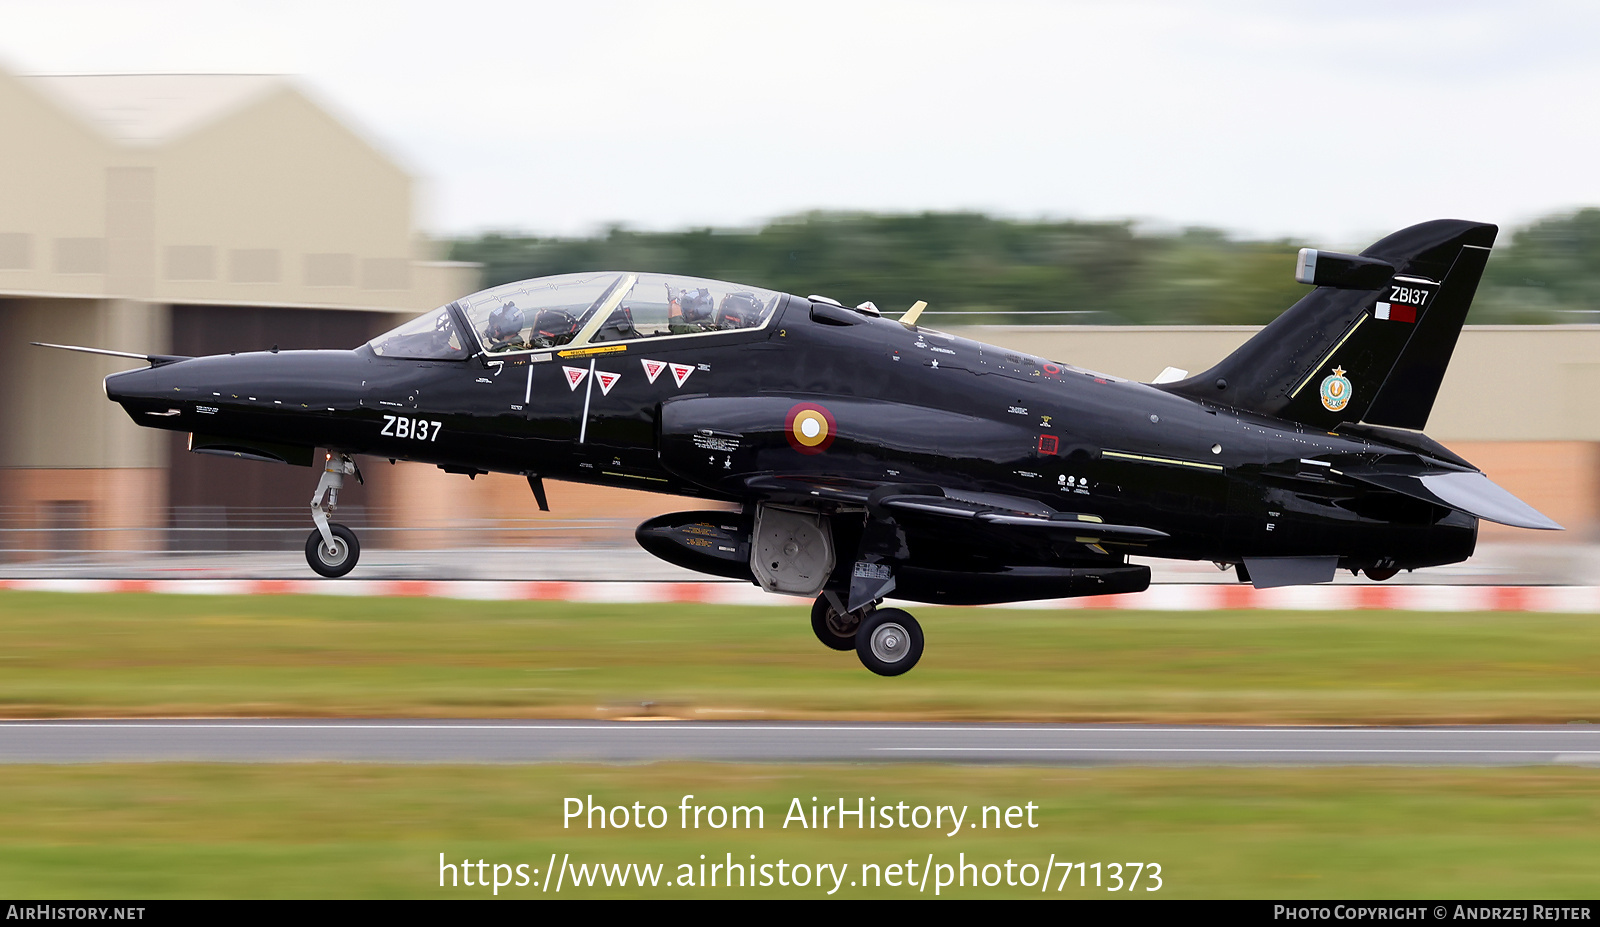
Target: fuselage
<point>703,416</point>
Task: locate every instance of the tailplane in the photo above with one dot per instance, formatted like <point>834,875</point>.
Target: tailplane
<point>1370,343</point>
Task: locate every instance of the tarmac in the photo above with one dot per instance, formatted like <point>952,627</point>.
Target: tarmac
<point>499,741</point>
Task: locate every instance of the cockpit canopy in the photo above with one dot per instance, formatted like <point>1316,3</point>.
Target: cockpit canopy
<point>579,309</point>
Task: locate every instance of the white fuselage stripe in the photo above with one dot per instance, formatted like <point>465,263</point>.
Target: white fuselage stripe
<point>588,390</point>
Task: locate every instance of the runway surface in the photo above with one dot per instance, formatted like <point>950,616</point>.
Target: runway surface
<point>490,741</point>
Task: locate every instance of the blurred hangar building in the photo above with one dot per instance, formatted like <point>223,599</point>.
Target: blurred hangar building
<point>201,214</point>
<point>184,214</point>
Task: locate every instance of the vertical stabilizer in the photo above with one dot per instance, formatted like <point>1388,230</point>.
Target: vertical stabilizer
<point>1375,354</point>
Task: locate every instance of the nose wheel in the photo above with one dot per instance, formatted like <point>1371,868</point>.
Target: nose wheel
<point>336,559</point>
<point>332,549</point>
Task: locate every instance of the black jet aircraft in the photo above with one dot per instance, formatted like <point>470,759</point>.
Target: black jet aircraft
<point>863,457</point>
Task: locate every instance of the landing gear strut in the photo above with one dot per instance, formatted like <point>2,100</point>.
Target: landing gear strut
<point>835,627</point>
<point>332,549</point>
<point>888,641</point>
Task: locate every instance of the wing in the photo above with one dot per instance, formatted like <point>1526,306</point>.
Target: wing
<point>807,488</point>
<point>947,509</point>
<point>1010,512</point>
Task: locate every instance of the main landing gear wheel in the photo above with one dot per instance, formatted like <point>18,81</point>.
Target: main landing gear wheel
<point>889,642</point>
<point>338,561</point>
<point>836,631</point>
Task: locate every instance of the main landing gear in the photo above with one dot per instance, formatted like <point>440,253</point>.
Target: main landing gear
<point>332,549</point>
<point>888,641</point>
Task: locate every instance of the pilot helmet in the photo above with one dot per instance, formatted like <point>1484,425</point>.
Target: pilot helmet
<point>505,323</point>
<point>739,310</point>
<point>697,304</point>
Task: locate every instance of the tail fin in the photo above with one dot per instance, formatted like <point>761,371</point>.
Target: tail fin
<point>1343,355</point>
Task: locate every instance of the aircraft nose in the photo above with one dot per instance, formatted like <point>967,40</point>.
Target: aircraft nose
<point>136,385</point>
<point>257,381</point>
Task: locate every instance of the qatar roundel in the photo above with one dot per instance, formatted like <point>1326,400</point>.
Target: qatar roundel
<point>810,428</point>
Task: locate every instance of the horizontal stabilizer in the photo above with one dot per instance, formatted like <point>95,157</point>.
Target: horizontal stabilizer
<point>1271,572</point>
<point>1466,491</point>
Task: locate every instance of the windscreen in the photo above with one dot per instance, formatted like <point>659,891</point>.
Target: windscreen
<point>430,336</point>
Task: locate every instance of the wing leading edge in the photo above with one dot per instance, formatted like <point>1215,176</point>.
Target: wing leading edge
<point>995,513</point>
<point>982,507</point>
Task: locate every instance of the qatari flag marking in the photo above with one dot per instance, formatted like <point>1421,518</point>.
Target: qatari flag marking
<point>1396,312</point>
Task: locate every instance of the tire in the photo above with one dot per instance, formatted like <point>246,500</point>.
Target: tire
<point>889,642</point>
<point>825,623</point>
<point>331,566</point>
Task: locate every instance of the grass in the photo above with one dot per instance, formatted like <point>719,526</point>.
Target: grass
<point>319,831</point>
<point>361,831</point>
<point>71,655</point>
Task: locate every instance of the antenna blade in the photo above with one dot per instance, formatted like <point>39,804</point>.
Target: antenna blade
<point>912,314</point>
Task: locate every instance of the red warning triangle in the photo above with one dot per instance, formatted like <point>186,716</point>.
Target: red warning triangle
<point>680,372</point>
<point>652,369</point>
<point>606,380</point>
<point>575,376</point>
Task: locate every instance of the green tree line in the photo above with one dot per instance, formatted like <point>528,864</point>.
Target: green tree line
<point>1005,270</point>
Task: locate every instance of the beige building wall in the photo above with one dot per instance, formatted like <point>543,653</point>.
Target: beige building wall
<point>212,189</point>
<point>332,227</point>
<point>59,417</point>
<point>52,196</point>
<point>122,195</point>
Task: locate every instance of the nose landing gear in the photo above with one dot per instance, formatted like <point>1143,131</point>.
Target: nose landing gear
<point>888,641</point>
<point>332,550</point>
<point>336,559</point>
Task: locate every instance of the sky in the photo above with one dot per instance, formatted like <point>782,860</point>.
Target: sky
<point>1330,123</point>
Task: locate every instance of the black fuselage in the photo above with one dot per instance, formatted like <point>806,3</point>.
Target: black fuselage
<point>907,405</point>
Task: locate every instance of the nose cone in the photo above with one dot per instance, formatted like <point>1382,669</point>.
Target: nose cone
<point>172,394</point>
<point>145,385</point>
